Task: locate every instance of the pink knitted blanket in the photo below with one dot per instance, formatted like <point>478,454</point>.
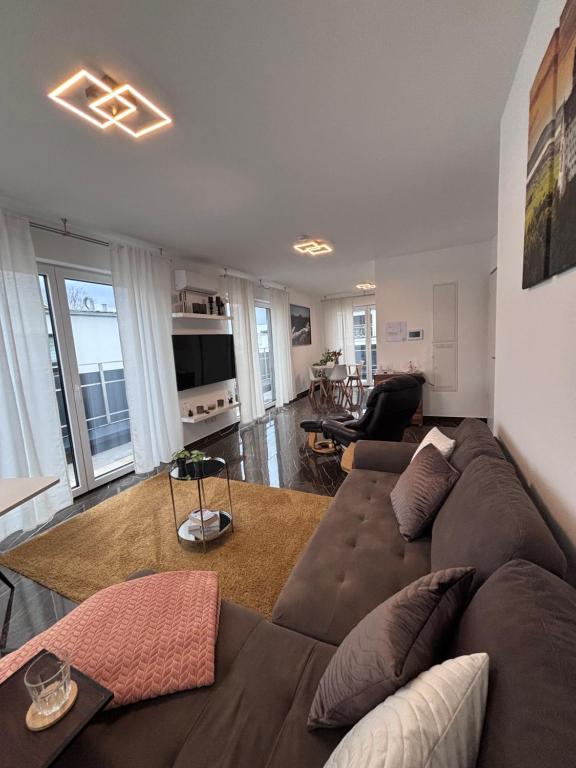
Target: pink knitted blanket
<point>140,639</point>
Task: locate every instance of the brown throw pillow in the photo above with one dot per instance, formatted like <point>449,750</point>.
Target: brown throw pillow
<point>421,490</point>
<point>398,640</point>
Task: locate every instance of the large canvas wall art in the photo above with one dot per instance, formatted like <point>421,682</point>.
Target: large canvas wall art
<point>550,224</point>
<point>300,322</point>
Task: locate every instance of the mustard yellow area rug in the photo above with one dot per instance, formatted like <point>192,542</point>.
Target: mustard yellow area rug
<point>135,530</point>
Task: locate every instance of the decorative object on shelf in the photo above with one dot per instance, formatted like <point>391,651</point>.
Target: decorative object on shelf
<point>190,413</point>
<point>220,403</point>
<point>199,308</point>
<point>212,407</point>
<point>210,305</point>
<point>220,309</point>
<point>300,324</point>
<point>550,229</point>
<point>199,409</point>
<point>230,398</point>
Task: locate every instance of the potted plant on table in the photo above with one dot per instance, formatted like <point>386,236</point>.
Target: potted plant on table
<point>181,458</point>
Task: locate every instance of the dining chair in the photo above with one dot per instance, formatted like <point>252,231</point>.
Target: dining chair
<point>337,377</point>
<point>354,381</point>
<point>316,378</point>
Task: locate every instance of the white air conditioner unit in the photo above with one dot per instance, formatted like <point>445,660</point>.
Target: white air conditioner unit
<point>184,280</point>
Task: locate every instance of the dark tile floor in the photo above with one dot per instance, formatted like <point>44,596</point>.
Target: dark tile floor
<point>270,452</point>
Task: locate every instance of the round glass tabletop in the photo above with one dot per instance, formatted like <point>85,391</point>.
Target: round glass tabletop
<point>199,470</point>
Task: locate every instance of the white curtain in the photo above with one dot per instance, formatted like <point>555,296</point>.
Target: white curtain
<point>282,346</point>
<point>240,294</point>
<point>30,434</point>
<point>143,288</point>
<point>339,327</point>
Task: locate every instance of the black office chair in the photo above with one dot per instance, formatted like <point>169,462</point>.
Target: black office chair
<point>389,410</point>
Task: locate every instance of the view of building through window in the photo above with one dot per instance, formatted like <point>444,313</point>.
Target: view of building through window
<point>365,339</point>
<point>88,319</point>
<point>265,354</point>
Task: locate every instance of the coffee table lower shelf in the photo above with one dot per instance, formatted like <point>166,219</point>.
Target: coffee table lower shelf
<point>193,539</point>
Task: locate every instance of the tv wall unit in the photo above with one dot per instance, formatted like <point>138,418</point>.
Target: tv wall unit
<point>199,426</point>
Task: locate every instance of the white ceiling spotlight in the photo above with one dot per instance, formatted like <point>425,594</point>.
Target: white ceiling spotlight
<point>313,246</point>
<point>366,286</point>
<point>102,102</point>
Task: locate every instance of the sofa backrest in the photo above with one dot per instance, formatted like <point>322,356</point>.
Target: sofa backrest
<point>473,438</point>
<point>524,618</point>
<point>489,519</point>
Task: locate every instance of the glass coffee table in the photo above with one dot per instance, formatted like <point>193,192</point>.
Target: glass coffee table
<point>198,471</point>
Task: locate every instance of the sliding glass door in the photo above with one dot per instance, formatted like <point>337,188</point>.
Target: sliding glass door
<point>364,321</point>
<point>89,372</point>
<point>265,353</point>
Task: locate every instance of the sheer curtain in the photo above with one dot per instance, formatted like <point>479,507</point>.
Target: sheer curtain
<point>282,346</point>
<point>339,327</point>
<point>142,286</point>
<point>241,298</point>
<point>30,434</point>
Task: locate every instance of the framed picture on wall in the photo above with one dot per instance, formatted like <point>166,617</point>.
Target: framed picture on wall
<point>550,226</point>
<point>300,324</point>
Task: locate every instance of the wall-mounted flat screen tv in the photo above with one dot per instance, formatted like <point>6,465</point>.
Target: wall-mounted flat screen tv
<point>203,359</point>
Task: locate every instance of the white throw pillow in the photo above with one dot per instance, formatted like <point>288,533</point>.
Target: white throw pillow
<point>433,722</point>
<point>438,439</point>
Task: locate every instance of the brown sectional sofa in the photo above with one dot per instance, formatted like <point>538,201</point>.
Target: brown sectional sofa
<point>523,616</point>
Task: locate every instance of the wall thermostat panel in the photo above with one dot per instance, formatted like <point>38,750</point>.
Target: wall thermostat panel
<point>417,334</point>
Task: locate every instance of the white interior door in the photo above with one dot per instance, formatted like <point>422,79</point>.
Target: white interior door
<point>492,290</point>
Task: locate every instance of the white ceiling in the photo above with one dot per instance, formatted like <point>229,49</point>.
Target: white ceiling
<point>373,123</point>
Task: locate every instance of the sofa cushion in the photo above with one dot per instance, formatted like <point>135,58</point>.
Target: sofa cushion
<point>420,491</point>
<point>489,519</point>
<point>473,438</point>
<point>433,722</point>
<point>397,641</point>
<point>254,714</point>
<point>524,618</point>
<point>439,440</point>
<point>355,560</point>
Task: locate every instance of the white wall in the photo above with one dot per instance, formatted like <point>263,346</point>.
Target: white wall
<point>535,399</point>
<point>404,292</point>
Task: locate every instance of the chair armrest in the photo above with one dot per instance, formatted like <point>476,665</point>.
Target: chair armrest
<point>383,456</point>
<point>339,431</point>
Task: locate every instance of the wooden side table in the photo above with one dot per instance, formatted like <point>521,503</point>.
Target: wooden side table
<point>418,418</point>
<point>39,749</point>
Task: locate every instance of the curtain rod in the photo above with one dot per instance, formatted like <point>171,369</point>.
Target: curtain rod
<point>66,233</point>
<point>348,296</point>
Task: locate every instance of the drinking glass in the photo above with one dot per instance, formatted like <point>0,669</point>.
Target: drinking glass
<point>48,682</point>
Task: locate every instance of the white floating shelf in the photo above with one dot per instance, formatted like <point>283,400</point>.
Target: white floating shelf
<point>209,414</point>
<point>199,316</point>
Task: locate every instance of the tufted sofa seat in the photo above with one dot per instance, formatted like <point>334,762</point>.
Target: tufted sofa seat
<point>356,558</point>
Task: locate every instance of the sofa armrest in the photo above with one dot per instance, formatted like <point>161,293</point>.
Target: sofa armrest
<point>383,456</point>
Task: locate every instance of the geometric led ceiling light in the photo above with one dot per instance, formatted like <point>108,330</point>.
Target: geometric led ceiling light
<point>313,246</point>
<point>366,286</point>
<point>102,102</point>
